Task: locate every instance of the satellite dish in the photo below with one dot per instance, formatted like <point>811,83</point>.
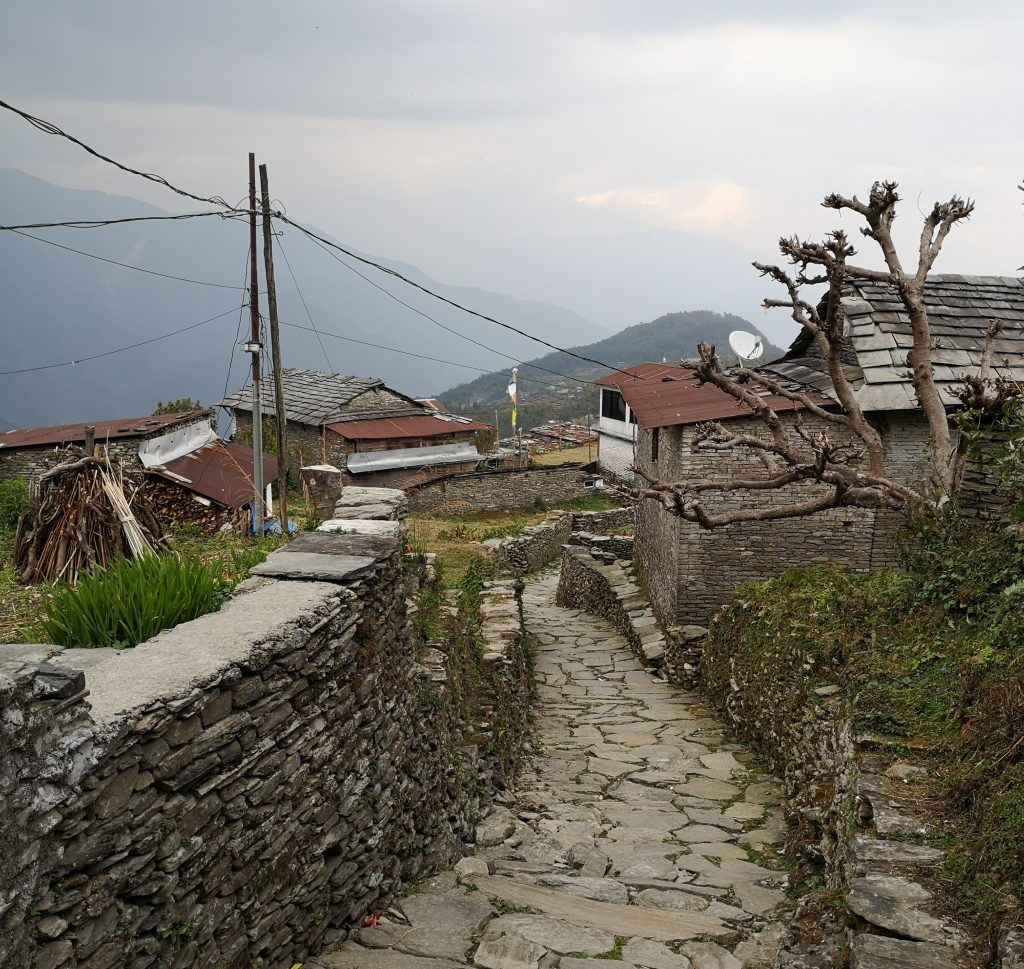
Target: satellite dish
<point>745,345</point>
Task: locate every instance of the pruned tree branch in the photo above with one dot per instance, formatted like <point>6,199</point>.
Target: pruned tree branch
<point>848,471</point>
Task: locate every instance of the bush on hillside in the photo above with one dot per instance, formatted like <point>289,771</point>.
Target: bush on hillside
<point>13,501</point>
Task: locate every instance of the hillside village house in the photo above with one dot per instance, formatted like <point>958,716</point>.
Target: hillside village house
<point>689,571</point>
<point>27,452</point>
<point>196,476</point>
<point>375,435</point>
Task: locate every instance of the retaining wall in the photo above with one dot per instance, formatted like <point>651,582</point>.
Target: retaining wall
<point>539,545</point>
<point>239,789</point>
<point>499,490</point>
<point>595,581</point>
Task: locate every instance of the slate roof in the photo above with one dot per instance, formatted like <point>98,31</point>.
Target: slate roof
<point>665,396</point>
<point>113,430</point>
<point>960,309</point>
<point>310,397</point>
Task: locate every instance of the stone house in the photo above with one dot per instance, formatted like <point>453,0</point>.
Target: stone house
<point>689,571</point>
<point>27,452</point>
<point>375,435</point>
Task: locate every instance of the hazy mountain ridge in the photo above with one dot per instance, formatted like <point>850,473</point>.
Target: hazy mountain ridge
<point>60,306</point>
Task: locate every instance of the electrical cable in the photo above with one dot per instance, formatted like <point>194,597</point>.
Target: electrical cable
<point>125,265</point>
<point>51,129</point>
<point>100,223</point>
<point>110,353</point>
<point>444,299</point>
<point>280,245</point>
<point>427,316</point>
<point>408,353</point>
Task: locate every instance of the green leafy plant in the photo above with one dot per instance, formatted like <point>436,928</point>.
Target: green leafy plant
<point>13,501</point>
<point>132,600</point>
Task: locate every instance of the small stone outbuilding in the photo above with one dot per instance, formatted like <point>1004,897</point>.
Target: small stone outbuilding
<point>27,452</point>
<point>689,571</point>
<point>374,435</point>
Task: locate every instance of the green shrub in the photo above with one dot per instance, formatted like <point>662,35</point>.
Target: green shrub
<point>132,600</point>
<point>13,501</point>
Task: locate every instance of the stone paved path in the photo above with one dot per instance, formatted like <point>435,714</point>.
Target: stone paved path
<point>639,834</point>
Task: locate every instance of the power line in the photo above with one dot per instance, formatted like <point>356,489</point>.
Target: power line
<point>100,223</point>
<point>409,353</point>
<point>280,245</point>
<point>110,353</point>
<point>51,129</point>
<point>444,299</point>
<point>125,265</point>
<point>427,316</point>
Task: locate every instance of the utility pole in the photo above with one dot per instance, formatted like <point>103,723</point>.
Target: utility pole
<point>275,344</point>
<point>254,349</point>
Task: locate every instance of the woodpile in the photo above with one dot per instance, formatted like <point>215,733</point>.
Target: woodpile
<point>84,511</point>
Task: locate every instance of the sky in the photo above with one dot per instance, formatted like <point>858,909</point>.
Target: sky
<point>610,157</point>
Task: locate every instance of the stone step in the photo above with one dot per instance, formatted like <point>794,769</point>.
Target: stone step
<point>621,920</point>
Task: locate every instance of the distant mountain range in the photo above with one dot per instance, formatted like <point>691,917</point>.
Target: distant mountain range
<point>61,306</point>
<point>547,390</point>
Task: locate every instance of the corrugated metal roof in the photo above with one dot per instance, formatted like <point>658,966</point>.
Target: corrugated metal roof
<point>960,309</point>
<point>310,396</point>
<point>125,427</point>
<point>388,428</point>
<point>413,457</point>
<point>669,396</point>
<point>221,472</point>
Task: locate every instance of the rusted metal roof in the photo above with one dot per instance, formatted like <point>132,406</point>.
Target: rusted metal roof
<point>432,403</point>
<point>669,396</point>
<point>414,426</point>
<point>114,430</point>
<point>221,472</point>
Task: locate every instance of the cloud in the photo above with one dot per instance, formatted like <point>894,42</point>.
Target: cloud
<point>709,205</point>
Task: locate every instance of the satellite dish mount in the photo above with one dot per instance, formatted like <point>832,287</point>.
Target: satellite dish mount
<point>746,346</point>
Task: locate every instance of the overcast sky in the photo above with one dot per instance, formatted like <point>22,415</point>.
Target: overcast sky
<point>481,140</point>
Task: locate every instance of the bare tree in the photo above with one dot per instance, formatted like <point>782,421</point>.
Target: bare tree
<point>848,464</point>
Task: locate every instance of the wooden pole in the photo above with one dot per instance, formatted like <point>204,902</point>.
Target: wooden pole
<point>254,349</point>
<point>275,345</point>
<point>90,441</point>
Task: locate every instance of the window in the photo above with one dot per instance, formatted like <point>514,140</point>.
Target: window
<point>612,405</point>
<point>654,445</point>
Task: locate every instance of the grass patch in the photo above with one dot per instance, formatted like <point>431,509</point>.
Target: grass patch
<point>583,454</point>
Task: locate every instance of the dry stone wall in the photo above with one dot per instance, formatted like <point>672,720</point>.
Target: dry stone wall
<point>862,881</point>
<point>541,544</point>
<point>236,791</point>
<point>499,490</point>
<point>596,581</point>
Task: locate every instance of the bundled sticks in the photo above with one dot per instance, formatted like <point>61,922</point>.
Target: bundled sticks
<point>85,511</point>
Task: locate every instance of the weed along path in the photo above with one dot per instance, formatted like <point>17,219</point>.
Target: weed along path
<point>638,834</point>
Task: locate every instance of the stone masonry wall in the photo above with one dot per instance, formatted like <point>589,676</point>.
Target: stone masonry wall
<point>539,545</point>
<point>595,581</point>
<point>30,462</point>
<point>237,790</point>
<point>497,490</point>
<point>689,571</point>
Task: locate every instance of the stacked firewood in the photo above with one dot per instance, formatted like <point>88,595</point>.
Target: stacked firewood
<point>85,511</point>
